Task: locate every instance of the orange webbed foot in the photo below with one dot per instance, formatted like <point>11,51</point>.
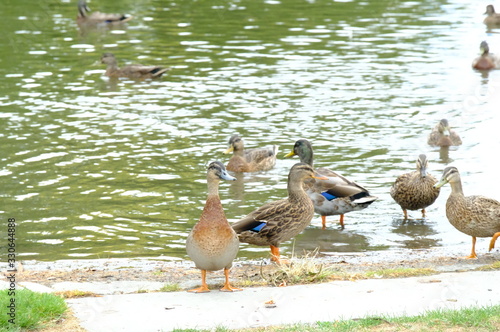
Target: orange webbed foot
<point>201,289</point>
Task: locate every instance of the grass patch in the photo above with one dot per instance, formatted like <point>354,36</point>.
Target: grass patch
<point>485,319</point>
<point>33,310</point>
<point>304,270</point>
<point>73,294</point>
<point>170,288</point>
<point>399,273</point>
<point>489,267</point>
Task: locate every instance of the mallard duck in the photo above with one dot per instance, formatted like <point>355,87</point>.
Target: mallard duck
<point>281,220</point>
<point>443,136</point>
<point>477,216</point>
<point>96,18</point>
<point>493,18</point>
<point>415,190</point>
<point>336,196</point>
<point>249,160</point>
<point>212,244</point>
<point>486,60</point>
<point>131,71</point>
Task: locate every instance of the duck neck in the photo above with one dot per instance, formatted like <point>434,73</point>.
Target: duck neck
<point>307,156</point>
<point>296,190</point>
<point>456,188</point>
<point>213,211</point>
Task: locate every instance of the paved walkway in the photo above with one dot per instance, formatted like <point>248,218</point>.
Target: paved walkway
<point>294,304</point>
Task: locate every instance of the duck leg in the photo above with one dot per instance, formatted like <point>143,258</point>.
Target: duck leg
<point>473,252</point>
<point>341,221</point>
<point>275,254</point>
<point>227,287</point>
<point>406,214</point>
<point>423,213</point>
<point>323,222</point>
<point>493,240</point>
<point>204,287</point>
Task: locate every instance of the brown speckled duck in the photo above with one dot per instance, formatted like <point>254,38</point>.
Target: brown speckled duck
<point>281,220</point>
<point>212,244</point>
<point>477,216</point>
<point>492,17</point>
<point>335,196</point>
<point>249,160</point>
<point>97,18</point>
<point>415,190</point>
<point>486,60</point>
<point>130,71</point>
<point>443,136</point>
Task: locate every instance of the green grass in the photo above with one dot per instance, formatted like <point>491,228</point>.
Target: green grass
<point>33,310</point>
<point>481,319</point>
<point>170,288</point>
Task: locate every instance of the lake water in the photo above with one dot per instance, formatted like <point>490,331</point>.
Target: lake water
<point>93,168</point>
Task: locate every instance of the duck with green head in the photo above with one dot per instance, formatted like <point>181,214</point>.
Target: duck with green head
<point>335,196</point>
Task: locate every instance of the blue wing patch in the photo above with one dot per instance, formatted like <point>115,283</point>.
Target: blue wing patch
<point>259,227</point>
<point>328,196</point>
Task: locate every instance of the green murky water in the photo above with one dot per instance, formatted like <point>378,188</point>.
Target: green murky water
<point>92,168</point>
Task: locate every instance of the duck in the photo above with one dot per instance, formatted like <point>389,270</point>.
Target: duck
<point>249,160</point>
<point>212,244</point>
<point>492,17</point>
<point>281,220</point>
<point>97,18</point>
<point>486,60</point>
<point>476,216</point>
<point>130,71</point>
<point>415,190</point>
<point>442,135</point>
<point>337,195</point>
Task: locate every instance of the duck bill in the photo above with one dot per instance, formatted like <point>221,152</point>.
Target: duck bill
<point>319,177</point>
<point>446,132</point>
<point>441,183</point>
<point>229,150</point>
<point>290,154</point>
<point>226,176</point>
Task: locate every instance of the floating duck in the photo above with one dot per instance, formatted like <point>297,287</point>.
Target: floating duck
<point>477,216</point>
<point>486,60</point>
<point>492,17</point>
<point>250,160</point>
<point>281,220</point>
<point>97,18</point>
<point>337,195</point>
<point>443,136</point>
<point>212,244</point>
<point>130,71</point>
<point>415,190</point>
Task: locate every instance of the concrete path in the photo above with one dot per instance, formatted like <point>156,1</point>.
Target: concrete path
<point>294,304</point>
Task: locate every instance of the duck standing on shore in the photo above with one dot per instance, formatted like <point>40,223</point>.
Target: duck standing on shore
<point>281,220</point>
<point>477,216</point>
<point>212,244</point>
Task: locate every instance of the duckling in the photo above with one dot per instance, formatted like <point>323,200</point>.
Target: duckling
<point>98,18</point>
<point>415,190</point>
<point>443,136</point>
<point>338,195</point>
<point>130,71</point>
<point>212,244</point>
<point>486,60</point>
<point>493,18</point>
<point>281,220</point>
<point>477,216</point>
<point>250,160</point>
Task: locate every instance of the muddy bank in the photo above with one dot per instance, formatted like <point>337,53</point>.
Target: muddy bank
<point>185,274</point>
